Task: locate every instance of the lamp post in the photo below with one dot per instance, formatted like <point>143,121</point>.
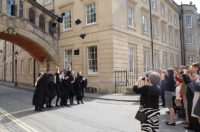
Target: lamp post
<point>16,54</point>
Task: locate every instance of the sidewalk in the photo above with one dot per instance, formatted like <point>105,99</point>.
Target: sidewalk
<point>113,97</point>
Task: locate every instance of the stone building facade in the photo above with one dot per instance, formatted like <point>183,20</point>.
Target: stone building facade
<point>118,37</point>
<point>191,26</point>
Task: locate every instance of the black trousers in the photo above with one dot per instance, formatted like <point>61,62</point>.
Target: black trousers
<point>193,121</point>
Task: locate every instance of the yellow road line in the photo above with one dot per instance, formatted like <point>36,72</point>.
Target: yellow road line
<point>18,122</point>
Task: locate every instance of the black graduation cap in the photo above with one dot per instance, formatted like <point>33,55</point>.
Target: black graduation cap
<point>54,24</point>
<point>62,14</point>
<point>60,20</point>
<point>83,35</point>
<point>78,21</point>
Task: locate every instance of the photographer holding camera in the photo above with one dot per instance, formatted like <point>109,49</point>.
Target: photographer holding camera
<point>149,101</point>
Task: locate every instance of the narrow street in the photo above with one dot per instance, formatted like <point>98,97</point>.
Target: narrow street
<point>18,115</point>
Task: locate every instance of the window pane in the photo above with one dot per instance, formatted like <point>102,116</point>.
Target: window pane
<point>91,13</point>
<point>92,59</point>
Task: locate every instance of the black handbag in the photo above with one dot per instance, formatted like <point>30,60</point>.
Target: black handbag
<point>141,116</point>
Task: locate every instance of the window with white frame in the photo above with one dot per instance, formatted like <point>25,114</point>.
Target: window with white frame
<point>169,15</point>
<point>163,33</point>
<point>162,10</point>
<point>189,39</point>
<point>189,21</point>
<point>67,20</point>
<point>146,60</point>
<point>68,60</point>
<point>131,58</point>
<point>156,60</point>
<point>92,59</point>
<point>190,60</point>
<point>172,60</point>
<point>170,36</point>
<point>47,1</point>
<point>176,38</point>
<point>175,20</point>
<point>144,23</point>
<point>165,65</point>
<point>90,13</point>
<point>153,4</point>
<point>155,28</point>
<point>130,17</point>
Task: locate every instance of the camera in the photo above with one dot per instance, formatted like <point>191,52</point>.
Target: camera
<point>143,79</point>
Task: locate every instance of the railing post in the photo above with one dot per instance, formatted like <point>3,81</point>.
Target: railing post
<point>115,82</point>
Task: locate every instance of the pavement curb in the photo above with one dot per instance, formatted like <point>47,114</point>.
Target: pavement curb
<point>29,88</point>
<point>113,99</point>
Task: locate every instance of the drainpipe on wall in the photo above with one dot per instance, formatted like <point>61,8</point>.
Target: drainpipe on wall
<point>182,34</point>
<point>152,45</point>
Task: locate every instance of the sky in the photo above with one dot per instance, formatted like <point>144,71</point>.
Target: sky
<point>196,2</point>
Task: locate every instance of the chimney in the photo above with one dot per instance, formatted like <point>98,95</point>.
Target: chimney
<point>191,3</point>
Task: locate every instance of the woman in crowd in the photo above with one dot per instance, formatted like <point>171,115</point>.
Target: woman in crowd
<point>170,85</point>
<point>149,101</point>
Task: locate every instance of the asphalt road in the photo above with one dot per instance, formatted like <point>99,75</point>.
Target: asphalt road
<point>18,115</point>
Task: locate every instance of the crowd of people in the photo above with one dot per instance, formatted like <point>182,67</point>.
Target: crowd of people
<point>64,86</point>
<point>179,89</point>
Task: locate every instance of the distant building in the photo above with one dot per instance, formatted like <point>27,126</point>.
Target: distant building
<point>191,32</point>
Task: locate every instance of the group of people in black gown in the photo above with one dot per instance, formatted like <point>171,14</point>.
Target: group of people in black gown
<point>64,85</point>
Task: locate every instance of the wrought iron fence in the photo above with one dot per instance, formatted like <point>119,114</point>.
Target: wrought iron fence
<point>124,79</point>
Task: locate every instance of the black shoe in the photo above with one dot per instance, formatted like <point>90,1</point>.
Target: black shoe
<point>57,105</point>
<point>188,127</point>
<point>82,102</point>
<point>170,124</point>
<point>78,102</point>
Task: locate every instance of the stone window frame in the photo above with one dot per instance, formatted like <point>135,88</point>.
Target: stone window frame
<point>189,22</point>
<point>146,59</point>
<point>131,5</point>
<point>68,19</point>
<point>156,60</point>
<point>144,14</point>
<point>191,60</point>
<point>187,39</point>
<point>42,22</point>
<point>172,64</point>
<point>67,63</point>
<point>21,8</point>
<point>170,35</point>
<point>154,5</point>
<point>134,59</point>
<point>163,32</point>
<point>155,26</point>
<point>165,60</point>
<point>96,70</point>
<point>162,10</point>
<point>85,12</point>
<point>32,19</point>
